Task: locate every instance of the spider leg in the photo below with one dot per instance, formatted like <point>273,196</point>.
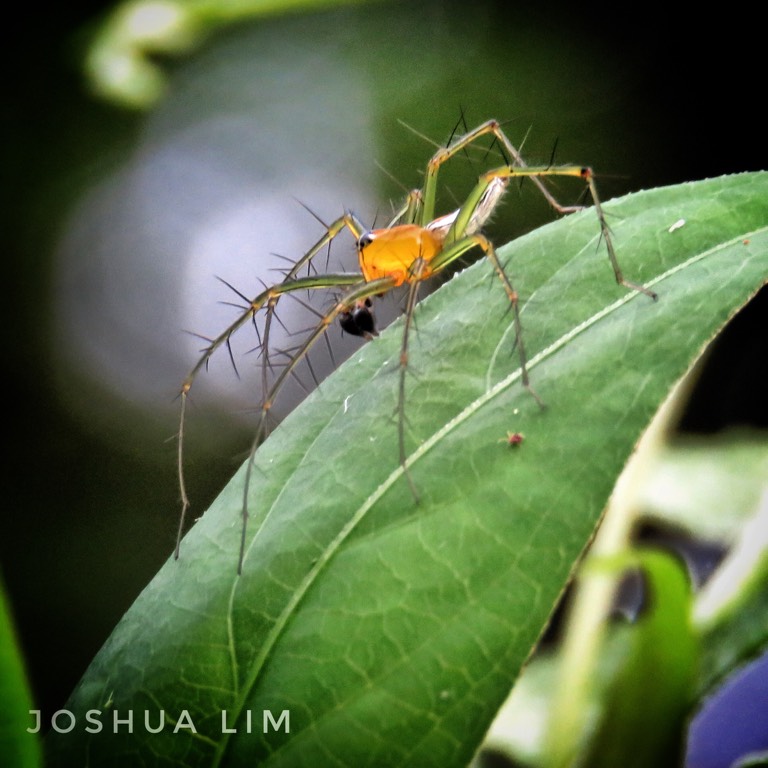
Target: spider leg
<point>267,297</point>
<point>466,219</point>
<point>478,207</point>
<point>268,300</point>
<point>457,145</point>
<point>410,211</point>
<point>359,290</point>
<point>347,221</point>
<point>418,272</point>
<point>456,251</point>
<point>223,338</point>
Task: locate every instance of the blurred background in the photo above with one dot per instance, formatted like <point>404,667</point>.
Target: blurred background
<point>127,189</point>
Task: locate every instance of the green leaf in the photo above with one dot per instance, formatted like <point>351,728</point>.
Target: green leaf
<point>17,746</point>
<point>392,631</point>
<point>649,691</point>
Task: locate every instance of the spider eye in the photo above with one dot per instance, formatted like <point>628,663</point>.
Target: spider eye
<point>365,239</point>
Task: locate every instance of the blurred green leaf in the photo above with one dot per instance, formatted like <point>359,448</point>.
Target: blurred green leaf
<point>710,486</point>
<point>644,704</point>
<point>752,761</point>
<point>391,631</point>
<point>732,610</point>
<point>119,61</point>
<point>17,746</point>
<point>716,489</point>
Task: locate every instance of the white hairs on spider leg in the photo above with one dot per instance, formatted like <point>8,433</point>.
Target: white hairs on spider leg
<point>488,202</point>
<point>484,210</point>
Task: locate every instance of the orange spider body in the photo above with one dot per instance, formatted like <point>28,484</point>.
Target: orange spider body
<point>392,252</point>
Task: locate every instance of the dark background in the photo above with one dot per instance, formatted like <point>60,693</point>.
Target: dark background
<point>647,96</point>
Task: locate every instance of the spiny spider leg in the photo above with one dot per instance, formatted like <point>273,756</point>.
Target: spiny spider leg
<point>482,195</point>
<point>359,291</point>
<point>256,304</point>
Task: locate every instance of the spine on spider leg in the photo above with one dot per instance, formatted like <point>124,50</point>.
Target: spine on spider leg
<point>347,220</point>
